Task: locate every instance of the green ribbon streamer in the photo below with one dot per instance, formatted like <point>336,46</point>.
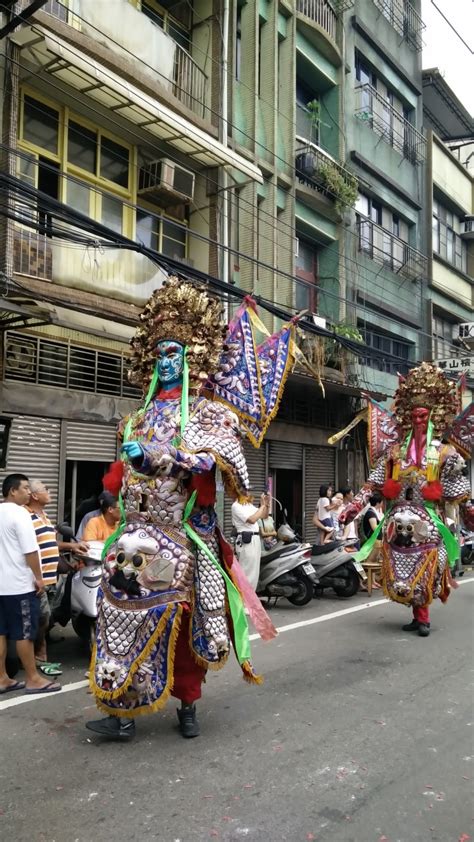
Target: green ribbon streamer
<point>449,540</point>
<point>185,393</point>
<point>239,618</point>
<point>365,551</point>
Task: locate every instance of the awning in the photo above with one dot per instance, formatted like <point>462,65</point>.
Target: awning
<point>96,81</point>
<point>18,311</point>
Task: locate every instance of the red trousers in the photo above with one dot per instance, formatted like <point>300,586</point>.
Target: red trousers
<point>422,615</point>
<point>188,676</point>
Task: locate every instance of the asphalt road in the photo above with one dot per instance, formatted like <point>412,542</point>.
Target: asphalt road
<point>361,733</point>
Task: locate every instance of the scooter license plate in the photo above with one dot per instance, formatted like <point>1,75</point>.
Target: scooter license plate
<point>358,567</point>
<point>308,568</point>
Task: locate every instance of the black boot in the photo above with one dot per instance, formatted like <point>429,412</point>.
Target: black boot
<point>413,626</point>
<point>424,629</point>
<point>188,724</point>
<point>113,727</point>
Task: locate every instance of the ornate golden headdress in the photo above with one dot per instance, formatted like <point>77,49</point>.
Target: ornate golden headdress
<point>426,386</point>
<point>186,314</point>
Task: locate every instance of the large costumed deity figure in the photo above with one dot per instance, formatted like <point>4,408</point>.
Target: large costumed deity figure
<point>171,605</point>
<point>419,468</point>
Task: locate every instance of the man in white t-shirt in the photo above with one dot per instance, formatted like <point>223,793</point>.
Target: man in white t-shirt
<point>248,547</point>
<point>21,583</point>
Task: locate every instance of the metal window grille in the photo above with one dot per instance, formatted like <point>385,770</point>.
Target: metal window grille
<point>384,247</point>
<point>64,365</point>
<point>390,124</point>
<point>405,20</point>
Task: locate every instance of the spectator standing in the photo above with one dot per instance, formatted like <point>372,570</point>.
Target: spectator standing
<point>350,529</point>
<point>248,547</point>
<point>49,550</point>
<point>21,583</point>
<point>373,515</point>
<point>102,526</point>
<point>322,516</point>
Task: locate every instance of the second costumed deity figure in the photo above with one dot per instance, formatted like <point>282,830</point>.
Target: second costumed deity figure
<point>173,600</point>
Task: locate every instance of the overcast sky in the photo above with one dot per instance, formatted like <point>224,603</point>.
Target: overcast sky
<point>445,50</point>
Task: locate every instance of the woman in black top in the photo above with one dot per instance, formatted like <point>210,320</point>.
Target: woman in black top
<point>373,515</point>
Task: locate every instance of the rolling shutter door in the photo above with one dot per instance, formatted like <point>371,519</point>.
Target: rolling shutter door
<point>319,469</point>
<point>34,450</point>
<point>255,458</point>
<point>285,454</point>
<point>91,442</point>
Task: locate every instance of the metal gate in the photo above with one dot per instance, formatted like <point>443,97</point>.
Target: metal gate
<point>34,449</point>
<point>319,469</point>
<point>257,467</point>
<point>91,442</point>
<point>285,455</point>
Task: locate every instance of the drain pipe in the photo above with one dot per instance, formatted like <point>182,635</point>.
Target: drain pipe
<point>224,134</point>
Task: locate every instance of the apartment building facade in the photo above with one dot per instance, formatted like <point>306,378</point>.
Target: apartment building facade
<point>115,116</point>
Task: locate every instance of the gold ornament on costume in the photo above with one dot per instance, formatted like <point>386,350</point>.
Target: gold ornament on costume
<point>426,386</point>
<point>184,313</point>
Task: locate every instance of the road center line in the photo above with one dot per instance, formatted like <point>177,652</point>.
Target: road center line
<point>78,685</point>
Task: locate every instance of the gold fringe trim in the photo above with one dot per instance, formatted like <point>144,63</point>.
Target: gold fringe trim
<point>388,578</point>
<point>249,675</point>
<point>120,691</point>
<point>143,710</point>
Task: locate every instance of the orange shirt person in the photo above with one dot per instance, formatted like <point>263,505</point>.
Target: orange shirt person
<point>104,525</point>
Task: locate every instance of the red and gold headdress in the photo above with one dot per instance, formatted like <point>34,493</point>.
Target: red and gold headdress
<point>428,387</point>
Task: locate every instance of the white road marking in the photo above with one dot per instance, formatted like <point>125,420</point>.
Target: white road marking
<point>78,685</point>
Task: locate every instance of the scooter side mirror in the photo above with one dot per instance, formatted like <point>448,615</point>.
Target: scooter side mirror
<point>65,530</point>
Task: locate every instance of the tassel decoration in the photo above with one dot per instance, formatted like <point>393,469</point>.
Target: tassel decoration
<point>391,489</point>
<point>112,480</point>
<point>432,491</point>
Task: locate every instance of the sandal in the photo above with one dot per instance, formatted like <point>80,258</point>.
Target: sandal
<point>49,668</point>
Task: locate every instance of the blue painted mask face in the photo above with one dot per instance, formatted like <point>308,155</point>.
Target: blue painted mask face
<point>170,362</point>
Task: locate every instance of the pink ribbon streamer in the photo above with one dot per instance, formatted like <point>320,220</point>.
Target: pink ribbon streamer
<point>257,613</point>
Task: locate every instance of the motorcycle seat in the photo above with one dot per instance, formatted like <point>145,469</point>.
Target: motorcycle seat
<point>321,549</point>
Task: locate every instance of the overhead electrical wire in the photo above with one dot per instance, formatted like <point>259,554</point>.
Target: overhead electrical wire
<point>69,216</point>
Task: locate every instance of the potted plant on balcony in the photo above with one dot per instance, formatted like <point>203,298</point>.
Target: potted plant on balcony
<point>307,159</point>
<point>340,185</point>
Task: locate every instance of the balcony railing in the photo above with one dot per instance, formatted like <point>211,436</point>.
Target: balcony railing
<point>320,12</point>
<point>404,19</point>
<point>321,172</point>
<point>390,124</point>
<point>385,248</point>
<point>189,82</point>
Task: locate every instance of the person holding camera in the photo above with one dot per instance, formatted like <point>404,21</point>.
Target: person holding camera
<point>248,547</point>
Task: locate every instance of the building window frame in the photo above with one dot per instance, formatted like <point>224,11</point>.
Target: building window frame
<point>447,242</point>
<point>386,343</point>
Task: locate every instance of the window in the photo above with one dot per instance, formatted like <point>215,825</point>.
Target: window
<point>160,16</point>
<point>386,344</point>
<point>260,55</point>
<point>238,44</point>
<point>446,240</point>
<point>82,147</point>
<point>40,124</point>
<point>306,128</point>
<point>95,160</point>
<point>307,270</point>
<point>165,235</point>
<point>382,234</point>
<point>442,338</point>
<point>86,147</point>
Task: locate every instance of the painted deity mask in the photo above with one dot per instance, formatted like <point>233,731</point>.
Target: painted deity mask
<point>170,361</point>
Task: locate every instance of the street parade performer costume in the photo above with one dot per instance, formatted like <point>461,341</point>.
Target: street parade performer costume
<point>420,470</point>
<point>170,604</point>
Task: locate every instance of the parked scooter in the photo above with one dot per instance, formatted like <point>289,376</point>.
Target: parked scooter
<point>286,569</point>
<point>467,547</point>
<point>336,568</point>
<point>84,585</point>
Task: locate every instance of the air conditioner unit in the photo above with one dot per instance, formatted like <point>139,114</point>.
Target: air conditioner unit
<point>467,227</point>
<point>163,180</point>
